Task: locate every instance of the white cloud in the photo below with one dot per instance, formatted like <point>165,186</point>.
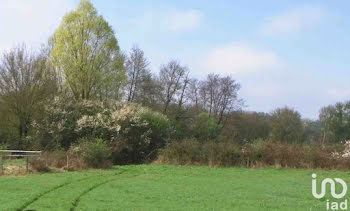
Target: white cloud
<point>183,20</point>
<point>238,58</point>
<point>339,93</point>
<point>293,21</point>
<point>30,21</point>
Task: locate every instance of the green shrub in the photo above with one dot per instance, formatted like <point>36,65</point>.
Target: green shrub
<point>206,128</point>
<point>182,153</point>
<point>286,126</point>
<point>94,151</point>
<point>159,127</point>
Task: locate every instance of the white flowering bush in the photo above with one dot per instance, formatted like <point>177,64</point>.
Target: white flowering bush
<point>59,125</point>
<point>142,132</point>
<point>336,155</point>
<point>134,132</point>
<point>345,153</point>
<point>99,125</point>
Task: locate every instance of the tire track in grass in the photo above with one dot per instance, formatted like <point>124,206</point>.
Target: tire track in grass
<point>77,200</point>
<point>40,195</point>
<point>24,206</point>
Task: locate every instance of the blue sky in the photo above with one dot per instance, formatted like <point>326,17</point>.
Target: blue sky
<point>283,53</point>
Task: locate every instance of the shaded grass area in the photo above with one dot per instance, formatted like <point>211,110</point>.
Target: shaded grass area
<point>161,187</point>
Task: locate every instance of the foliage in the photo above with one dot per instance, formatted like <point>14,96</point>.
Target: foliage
<point>245,127</point>
<point>85,48</point>
<point>148,92</point>
<point>182,127</point>
<point>335,120</point>
<point>286,126</point>
<point>181,153</point>
<point>26,83</point>
<point>206,128</point>
<point>160,130</point>
<point>141,133</point>
<point>94,151</point>
<point>59,127</point>
<point>133,131</point>
<point>313,131</point>
<point>222,154</point>
<point>8,129</point>
<point>82,61</point>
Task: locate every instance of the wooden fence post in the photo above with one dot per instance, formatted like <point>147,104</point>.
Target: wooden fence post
<point>67,161</point>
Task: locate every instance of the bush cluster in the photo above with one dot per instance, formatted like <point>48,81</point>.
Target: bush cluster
<point>134,133</point>
<point>88,153</point>
<point>94,151</point>
<point>258,154</point>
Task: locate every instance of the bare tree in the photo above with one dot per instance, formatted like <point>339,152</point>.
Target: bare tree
<point>219,95</point>
<point>171,78</point>
<point>193,92</point>
<point>227,99</point>
<point>25,82</point>
<point>148,92</point>
<point>210,92</point>
<point>184,86</point>
<point>137,71</point>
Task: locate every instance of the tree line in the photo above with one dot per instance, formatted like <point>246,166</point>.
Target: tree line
<point>82,61</point>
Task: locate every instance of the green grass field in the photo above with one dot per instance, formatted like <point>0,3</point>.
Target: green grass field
<point>159,187</point>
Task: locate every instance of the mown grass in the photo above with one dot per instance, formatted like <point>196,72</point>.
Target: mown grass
<point>161,187</point>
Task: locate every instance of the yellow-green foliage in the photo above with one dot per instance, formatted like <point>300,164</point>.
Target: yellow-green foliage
<point>85,48</point>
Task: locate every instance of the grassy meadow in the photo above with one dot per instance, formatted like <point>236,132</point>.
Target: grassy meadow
<point>163,187</point>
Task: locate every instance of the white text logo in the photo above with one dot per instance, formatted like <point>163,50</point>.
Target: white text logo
<point>331,205</point>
